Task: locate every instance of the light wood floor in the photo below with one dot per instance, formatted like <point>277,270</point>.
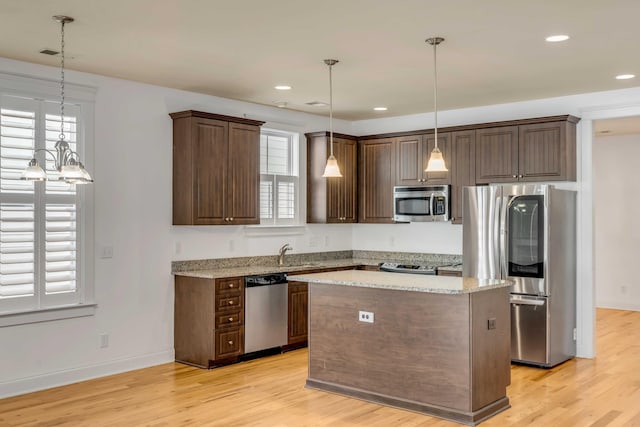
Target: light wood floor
<point>270,392</point>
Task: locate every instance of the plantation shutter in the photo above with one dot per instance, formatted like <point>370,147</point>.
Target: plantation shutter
<point>38,221</point>
<point>278,183</point>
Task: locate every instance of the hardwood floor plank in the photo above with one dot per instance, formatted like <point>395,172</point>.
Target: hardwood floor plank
<point>270,392</point>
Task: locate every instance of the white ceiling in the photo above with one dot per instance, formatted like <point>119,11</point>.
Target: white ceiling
<point>494,50</point>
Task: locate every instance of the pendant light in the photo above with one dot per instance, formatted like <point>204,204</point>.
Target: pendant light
<point>436,161</point>
<point>71,170</point>
<point>331,170</point>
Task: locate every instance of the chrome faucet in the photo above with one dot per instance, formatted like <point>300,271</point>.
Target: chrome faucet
<point>286,247</point>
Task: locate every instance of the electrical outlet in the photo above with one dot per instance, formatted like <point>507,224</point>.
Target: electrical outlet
<point>178,248</point>
<point>106,252</point>
<point>623,289</point>
<point>575,334</point>
<point>104,340</point>
<point>365,316</point>
<point>491,323</point>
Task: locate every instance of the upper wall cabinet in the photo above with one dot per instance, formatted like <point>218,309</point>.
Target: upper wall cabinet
<point>412,154</point>
<point>331,200</point>
<point>537,150</point>
<point>377,175</point>
<point>462,168</point>
<point>215,169</point>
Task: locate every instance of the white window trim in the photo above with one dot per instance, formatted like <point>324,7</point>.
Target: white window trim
<point>84,96</point>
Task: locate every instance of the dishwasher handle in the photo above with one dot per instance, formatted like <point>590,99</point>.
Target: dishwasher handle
<point>537,302</point>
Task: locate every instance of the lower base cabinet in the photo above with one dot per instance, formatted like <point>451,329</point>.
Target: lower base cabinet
<point>298,308</point>
<point>208,320</point>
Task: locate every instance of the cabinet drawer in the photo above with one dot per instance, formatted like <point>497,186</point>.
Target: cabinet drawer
<point>228,343</point>
<point>224,302</point>
<point>229,285</point>
<point>231,318</point>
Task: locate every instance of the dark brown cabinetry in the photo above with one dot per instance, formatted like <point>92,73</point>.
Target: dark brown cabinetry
<point>215,169</point>
<point>208,320</point>
<point>542,151</point>
<point>412,154</point>
<point>298,298</point>
<point>462,169</point>
<point>331,200</point>
<point>298,309</point>
<point>377,176</point>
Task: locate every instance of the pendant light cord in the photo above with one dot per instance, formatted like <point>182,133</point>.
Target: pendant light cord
<point>61,136</point>
<point>331,109</point>
<point>435,92</point>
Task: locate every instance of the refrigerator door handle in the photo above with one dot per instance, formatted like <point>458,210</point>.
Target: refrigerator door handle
<point>503,206</point>
<point>526,301</point>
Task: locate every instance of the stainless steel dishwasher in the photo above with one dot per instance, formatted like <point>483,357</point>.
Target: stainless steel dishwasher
<point>265,327</point>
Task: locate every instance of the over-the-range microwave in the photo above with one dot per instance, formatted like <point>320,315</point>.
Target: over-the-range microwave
<point>421,203</point>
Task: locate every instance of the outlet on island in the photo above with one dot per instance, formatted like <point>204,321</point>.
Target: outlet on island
<point>365,316</point>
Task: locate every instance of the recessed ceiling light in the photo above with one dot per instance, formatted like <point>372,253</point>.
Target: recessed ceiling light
<point>625,76</point>
<point>281,104</point>
<point>283,87</point>
<point>557,38</point>
<point>380,108</point>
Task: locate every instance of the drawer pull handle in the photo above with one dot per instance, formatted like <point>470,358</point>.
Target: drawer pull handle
<point>230,342</point>
<point>230,319</point>
<point>230,302</point>
<point>231,285</point>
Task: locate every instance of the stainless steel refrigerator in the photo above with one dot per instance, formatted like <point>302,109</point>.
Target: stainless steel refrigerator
<point>527,234</point>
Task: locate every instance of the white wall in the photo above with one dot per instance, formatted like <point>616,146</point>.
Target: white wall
<point>134,289</point>
<point>616,211</point>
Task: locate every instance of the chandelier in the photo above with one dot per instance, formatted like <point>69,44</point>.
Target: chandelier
<point>67,161</point>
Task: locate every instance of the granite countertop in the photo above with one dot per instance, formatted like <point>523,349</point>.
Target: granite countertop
<point>244,266</point>
<point>402,281</point>
<point>218,273</point>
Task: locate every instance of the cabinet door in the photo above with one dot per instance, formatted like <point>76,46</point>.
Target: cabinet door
<point>298,312</point>
<point>209,170</point>
<point>376,170</point>
<point>410,163</point>
<point>444,144</point>
<point>462,169</point>
<point>243,203</point>
<point>349,199</point>
<point>497,154</point>
<point>542,152</point>
<point>341,192</point>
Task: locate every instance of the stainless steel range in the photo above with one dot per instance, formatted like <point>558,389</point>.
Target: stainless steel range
<point>395,267</point>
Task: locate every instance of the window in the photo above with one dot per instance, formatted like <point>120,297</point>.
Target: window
<point>41,224</point>
<point>278,177</point>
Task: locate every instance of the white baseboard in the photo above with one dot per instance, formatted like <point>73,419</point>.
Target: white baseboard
<point>69,376</point>
<point>619,305</point>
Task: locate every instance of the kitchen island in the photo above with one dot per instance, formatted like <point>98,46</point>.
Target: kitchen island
<point>431,344</point>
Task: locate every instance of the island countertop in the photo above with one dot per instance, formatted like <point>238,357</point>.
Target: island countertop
<point>402,281</point>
